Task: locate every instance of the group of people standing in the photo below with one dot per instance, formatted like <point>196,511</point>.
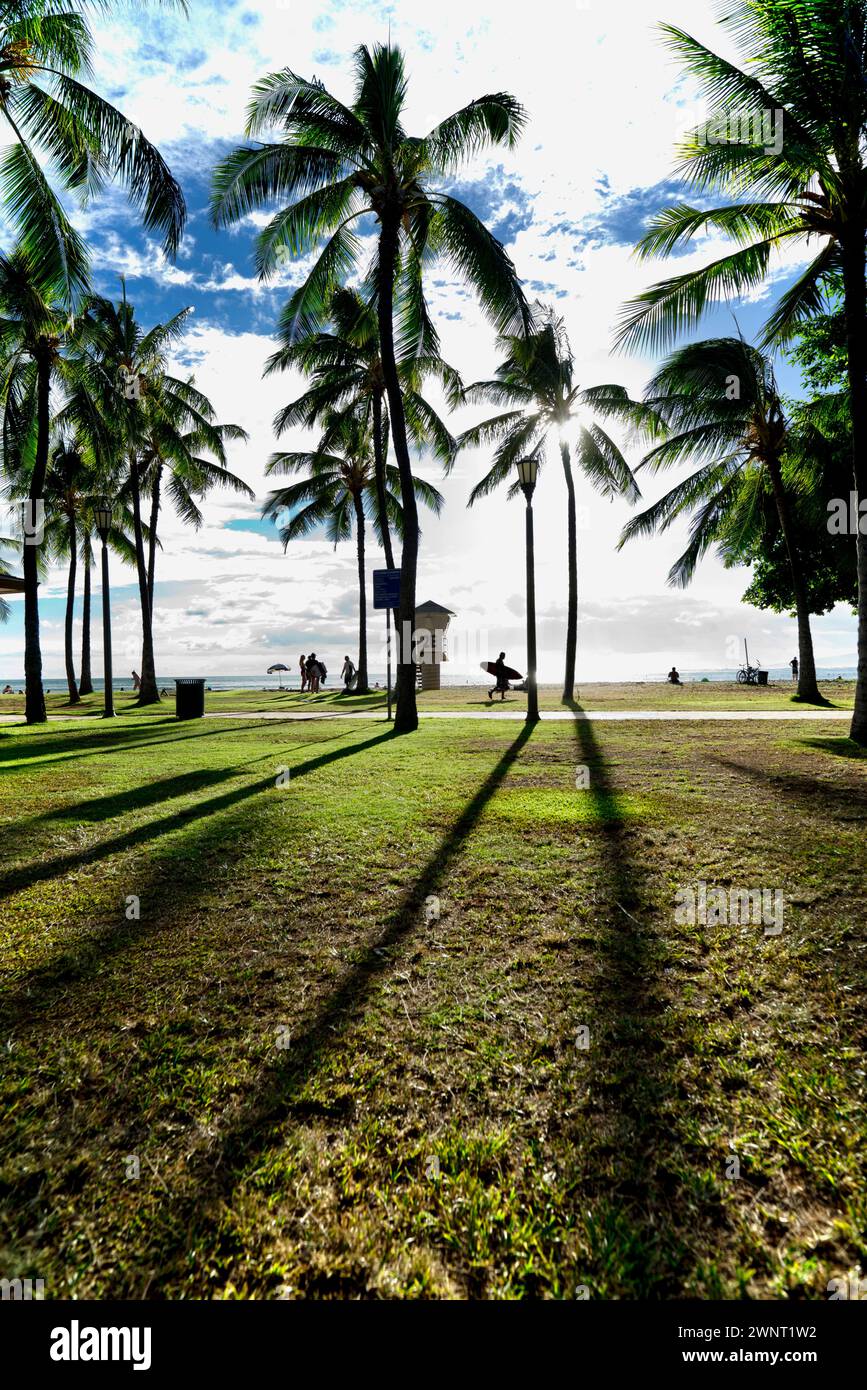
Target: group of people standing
<point>313,672</point>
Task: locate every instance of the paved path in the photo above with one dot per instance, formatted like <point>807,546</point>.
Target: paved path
<point>548,716</point>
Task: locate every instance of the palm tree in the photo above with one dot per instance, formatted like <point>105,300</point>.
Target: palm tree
<point>31,333</point>
<point>114,349</point>
<point>53,117</point>
<point>538,399</point>
<point>120,541</point>
<point>180,430</point>
<point>807,61</point>
<point>339,491</point>
<point>69,480</point>
<point>719,406</point>
<point>336,164</point>
<point>345,367</point>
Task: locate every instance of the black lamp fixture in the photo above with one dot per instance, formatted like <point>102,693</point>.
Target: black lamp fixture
<point>103,516</point>
<point>528,470</point>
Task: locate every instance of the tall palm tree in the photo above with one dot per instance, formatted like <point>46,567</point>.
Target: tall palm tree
<point>335,164</point>
<point>180,431</point>
<point>120,541</point>
<point>113,350</point>
<point>345,367</point>
<point>32,330</point>
<point>538,401</point>
<point>719,406</point>
<point>338,492</point>
<point>54,119</point>
<point>807,60</point>
<point>68,485</point>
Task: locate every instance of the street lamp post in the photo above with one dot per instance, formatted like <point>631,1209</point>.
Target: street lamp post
<point>103,517</point>
<point>527,470</point>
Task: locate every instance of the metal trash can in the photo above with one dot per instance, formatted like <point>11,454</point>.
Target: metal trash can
<point>189,697</point>
<point>763,677</point>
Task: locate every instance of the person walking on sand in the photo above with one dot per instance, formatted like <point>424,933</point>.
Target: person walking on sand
<point>794,665</point>
<point>502,681</point>
<point>302,666</point>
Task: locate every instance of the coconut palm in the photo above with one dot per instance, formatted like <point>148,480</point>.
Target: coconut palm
<point>69,482</point>
<point>539,401</point>
<point>120,541</point>
<point>123,394</point>
<point>53,119</point>
<point>345,367</point>
<point>180,431</point>
<point>339,492</point>
<point>335,164</point>
<point>807,61</point>
<point>32,330</point>
<point>720,408</point>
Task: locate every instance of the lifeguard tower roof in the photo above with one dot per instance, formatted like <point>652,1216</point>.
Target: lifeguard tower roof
<point>431,607</point>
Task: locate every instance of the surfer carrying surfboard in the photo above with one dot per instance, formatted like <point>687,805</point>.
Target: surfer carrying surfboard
<point>500,670</point>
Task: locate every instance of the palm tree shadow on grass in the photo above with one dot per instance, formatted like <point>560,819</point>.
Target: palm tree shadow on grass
<point>38,987</point>
<point>640,1218</point>
<point>274,1095</point>
<point>837,801</point>
<point>112,740</point>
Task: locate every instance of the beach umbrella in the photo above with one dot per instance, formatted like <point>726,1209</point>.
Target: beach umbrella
<point>279,668</point>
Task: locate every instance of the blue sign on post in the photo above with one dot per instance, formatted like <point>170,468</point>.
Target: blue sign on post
<point>386,588</point>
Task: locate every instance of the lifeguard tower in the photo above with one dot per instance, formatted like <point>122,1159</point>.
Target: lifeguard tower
<point>432,618</point>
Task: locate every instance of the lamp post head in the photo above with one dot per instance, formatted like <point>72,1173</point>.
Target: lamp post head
<point>102,513</point>
<point>528,470</point>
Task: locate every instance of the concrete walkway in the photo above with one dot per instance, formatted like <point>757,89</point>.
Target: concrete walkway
<point>548,716</point>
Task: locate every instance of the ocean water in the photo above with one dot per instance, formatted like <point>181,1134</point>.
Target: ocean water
<point>290,679</point>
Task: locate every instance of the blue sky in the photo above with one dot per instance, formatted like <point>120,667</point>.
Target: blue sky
<point>605,107</point>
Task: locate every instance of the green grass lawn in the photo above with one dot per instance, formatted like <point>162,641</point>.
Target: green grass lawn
<point>633,695</point>
<point>340,1053</point>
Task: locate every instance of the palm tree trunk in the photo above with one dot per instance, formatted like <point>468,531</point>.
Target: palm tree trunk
<point>380,454</point>
<point>361,685</point>
<point>406,718</point>
<point>70,612</point>
<point>572,562</point>
<point>152,539</point>
<point>807,688</point>
<point>856,344</point>
<point>85,686</point>
<point>148,695</point>
<point>34,704</point>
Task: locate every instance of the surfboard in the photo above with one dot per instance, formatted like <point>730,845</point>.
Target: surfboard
<point>508,671</point>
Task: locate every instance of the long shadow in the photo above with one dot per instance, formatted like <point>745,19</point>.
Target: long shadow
<point>105,808</point>
<point>114,739</point>
<point>216,1170</point>
<point>796,787</point>
<point>24,877</point>
<point>630,1062</point>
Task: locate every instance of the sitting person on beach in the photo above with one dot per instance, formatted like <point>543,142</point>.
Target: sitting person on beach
<point>673,676</point>
<point>502,682</point>
<point>7,690</point>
